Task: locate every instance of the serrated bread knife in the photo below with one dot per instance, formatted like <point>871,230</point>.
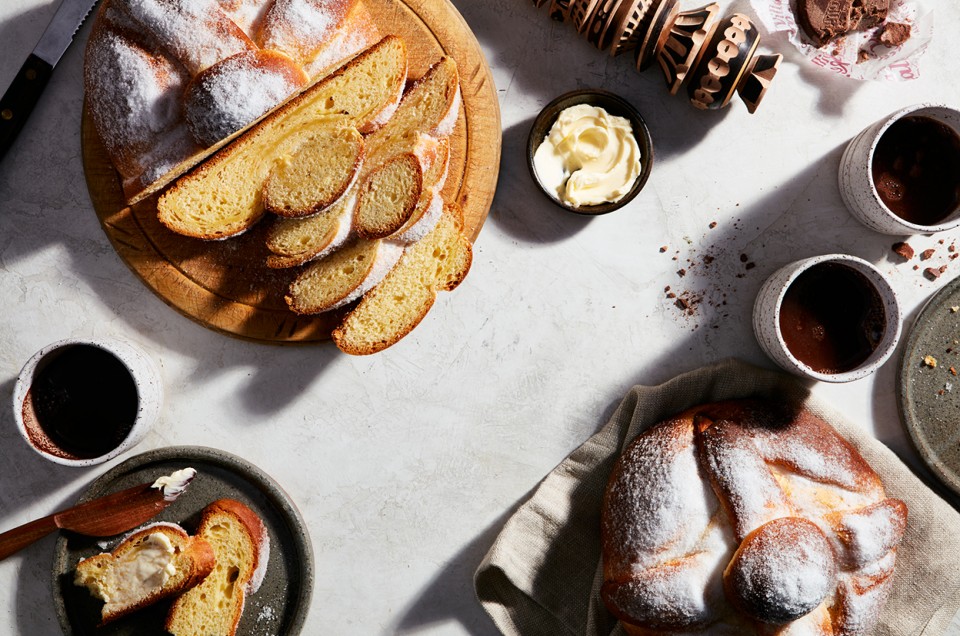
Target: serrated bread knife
<point>103,516</point>
<point>23,94</point>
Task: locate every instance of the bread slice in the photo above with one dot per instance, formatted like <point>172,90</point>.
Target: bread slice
<point>222,197</point>
<point>298,241</point>
<point>150,564</point>
<point>315,175</point>
<point>342,277</point>
<point>393,308</point>
<point>388,196</point>
<point>429,106</point>
<point>242,548</point>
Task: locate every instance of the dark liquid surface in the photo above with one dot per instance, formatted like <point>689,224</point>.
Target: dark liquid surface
<point>81,404</point>
<point>916,170</point>
<point>832,318</point>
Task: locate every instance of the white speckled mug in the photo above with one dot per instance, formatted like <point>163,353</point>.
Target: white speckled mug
<point>857,186</point>
<point>766,318</point>
<point>144,408</point>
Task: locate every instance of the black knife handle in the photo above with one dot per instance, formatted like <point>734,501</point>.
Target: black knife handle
<point>19,100</point>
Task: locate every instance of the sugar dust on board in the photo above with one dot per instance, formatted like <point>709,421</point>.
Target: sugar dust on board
<point>916,170</point>
<point>832,318</point>
<point>81,404</point>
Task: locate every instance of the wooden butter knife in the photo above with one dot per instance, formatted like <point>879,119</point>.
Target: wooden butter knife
<point>104,516</point>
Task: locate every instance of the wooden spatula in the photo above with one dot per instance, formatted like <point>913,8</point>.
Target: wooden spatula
<point>101,517</point>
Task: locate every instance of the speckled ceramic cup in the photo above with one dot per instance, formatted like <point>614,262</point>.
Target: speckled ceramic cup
<point>857,186</point>
<point>142,370</point>
<point>766,318</point>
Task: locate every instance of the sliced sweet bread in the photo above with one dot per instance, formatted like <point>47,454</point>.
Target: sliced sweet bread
<point>222,197</point>
<point>429,106</point>
<point>315,175</point>
<point>150,564</point>
<point>388,196</point>
<point>392,184</point>
<point>342,277</point>
<point>242,547</point>
<point>297,241</point>
<point>393,308</point>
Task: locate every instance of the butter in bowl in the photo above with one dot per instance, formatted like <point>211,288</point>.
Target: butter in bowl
<point>590,151</point>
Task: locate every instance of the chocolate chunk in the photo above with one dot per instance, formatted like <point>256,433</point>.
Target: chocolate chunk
<point>904,250</point>
<point>933,273</point>
<point>825,20</point>
<point>926,254</point>
<point>894,33</point>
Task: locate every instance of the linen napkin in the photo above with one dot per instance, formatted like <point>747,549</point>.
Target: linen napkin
<point>543,573</point>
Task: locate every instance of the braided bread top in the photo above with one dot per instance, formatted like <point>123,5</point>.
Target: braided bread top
<point>165,79</point>
<point>747,517</point>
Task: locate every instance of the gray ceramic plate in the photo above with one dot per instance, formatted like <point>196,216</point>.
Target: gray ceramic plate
<point>929,397</point>
<point>279,607</point>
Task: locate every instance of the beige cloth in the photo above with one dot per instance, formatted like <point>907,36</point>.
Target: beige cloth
<point>542,575</point>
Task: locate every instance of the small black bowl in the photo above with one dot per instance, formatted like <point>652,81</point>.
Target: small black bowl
<point>613,104</point>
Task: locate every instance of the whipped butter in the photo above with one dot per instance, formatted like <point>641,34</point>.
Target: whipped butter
<point>175,483</point>
<point>139,572</point>
<point>589,157</point>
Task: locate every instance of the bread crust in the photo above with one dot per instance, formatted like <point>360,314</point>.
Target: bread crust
<point>256,532</point>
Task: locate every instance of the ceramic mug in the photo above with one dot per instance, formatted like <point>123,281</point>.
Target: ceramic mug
<point>767,323</point>
<point>857,187</point>
<point>120,375</point>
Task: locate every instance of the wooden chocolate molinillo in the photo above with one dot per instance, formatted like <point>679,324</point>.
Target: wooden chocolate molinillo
<point>716,57</point>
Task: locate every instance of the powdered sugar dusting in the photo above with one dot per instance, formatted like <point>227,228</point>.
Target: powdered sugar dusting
<point>870,533</point>
<point>783,571</point>
<point>233,94</point>
<point>196,32</point>
<point>654,502</point>
<point>299,27</point>
<point>263,557</point>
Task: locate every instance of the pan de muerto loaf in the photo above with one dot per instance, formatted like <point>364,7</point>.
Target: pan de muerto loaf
<point>747,517</point>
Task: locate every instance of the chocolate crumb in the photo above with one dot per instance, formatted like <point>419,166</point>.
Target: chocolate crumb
<point>894,33</point>
<point>916,267</point>
<point>667,288</point>
<point>664,249</point>
<point>713,224</point>
<point>671,295</point>
<point>744,258</point>
<point>903,249</point>
<point>708,259</point>
<point>862,56</point>
<point>751,265</point>
<point>943,268</point>
<point>926,254</point>
<point>933,273</point>
<point>681,273</point>
<point>682,304</point>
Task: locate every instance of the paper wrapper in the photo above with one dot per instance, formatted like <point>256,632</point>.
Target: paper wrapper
<point>543,573</point>
<point>842,56</point>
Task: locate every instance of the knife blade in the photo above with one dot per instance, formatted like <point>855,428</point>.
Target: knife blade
<point>103,516</point>
<point>24,92</point>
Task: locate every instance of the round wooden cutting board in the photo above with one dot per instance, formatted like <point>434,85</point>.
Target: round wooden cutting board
<point>225,285</point>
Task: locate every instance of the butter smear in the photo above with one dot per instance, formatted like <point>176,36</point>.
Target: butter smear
<point>589,157</point>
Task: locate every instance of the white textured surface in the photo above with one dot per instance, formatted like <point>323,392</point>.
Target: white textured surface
<point>406,464</point>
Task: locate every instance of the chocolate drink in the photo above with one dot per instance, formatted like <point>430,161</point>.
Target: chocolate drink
<point>82,404</point>
<point>916,170</point>
<point>832,318</point>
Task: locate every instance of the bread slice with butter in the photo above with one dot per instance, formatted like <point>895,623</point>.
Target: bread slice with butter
<point>389,311</point>
<point>223,196</point>
<point>153,563</point>
<point>242,547</point>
